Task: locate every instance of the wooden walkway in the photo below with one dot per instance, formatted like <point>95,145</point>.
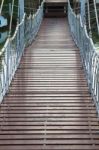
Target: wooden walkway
<point>48,106</point>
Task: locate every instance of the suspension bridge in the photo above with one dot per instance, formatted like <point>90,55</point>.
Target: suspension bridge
<point>49,81</point>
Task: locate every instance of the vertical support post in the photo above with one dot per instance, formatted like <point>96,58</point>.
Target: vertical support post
<point>82,10</point>
<point>21,10</point>
<point>96,13</point>
<point>10,9</point>
<point>98,90</point>
<point>21,30</point>
<point>39,2</point>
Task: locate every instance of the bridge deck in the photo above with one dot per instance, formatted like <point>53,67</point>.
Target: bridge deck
<point>48,105</point>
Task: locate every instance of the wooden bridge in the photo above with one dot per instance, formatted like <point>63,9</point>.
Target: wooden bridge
<point>49,106</point>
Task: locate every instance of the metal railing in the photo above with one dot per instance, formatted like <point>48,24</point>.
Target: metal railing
<point>89,56</point>
<point>11,53</point>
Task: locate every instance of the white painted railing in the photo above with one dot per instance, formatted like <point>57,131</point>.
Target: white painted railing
<point>89,56</point>
<point>11,53</point>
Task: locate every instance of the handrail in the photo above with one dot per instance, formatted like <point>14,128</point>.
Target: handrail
<point>14,47</point>
<point>89,56</point>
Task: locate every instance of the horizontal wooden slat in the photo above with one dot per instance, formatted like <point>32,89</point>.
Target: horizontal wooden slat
<point>49,147</point>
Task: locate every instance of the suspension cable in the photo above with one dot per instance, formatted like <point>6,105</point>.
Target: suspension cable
<point>97,21</point>
<point>1,6</point>
<point>10,26</point>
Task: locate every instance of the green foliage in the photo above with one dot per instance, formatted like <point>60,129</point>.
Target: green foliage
<point>30,7</point>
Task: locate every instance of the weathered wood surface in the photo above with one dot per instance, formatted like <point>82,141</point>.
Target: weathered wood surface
<point>48,106</point>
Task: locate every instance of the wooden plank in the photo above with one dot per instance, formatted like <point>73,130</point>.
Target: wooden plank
<point>49,147</point>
